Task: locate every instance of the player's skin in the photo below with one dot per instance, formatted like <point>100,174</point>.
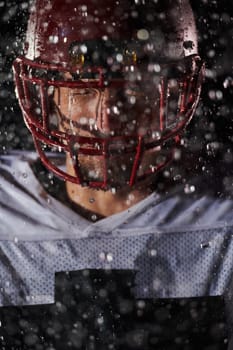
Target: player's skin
<point>79,110</point>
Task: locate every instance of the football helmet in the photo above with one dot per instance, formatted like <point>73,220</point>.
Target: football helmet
<point>112,87</point>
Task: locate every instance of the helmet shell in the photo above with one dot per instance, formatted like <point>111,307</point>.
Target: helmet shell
<point>166,27</point>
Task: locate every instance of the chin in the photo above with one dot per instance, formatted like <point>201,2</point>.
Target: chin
<point>118,169</point>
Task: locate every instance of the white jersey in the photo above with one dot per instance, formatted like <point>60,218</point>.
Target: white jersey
<point>178,245</point>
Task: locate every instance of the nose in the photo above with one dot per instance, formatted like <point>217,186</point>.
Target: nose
<point>109,111</point>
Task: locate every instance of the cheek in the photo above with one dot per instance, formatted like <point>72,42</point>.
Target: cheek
<point>74,106</point>
<point>148,116</point>
<point>82,106</point>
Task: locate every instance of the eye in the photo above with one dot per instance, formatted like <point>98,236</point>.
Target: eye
<point>83,92</point>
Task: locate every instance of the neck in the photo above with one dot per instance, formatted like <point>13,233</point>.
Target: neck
<point>104,203</point>
<point>91,203</point>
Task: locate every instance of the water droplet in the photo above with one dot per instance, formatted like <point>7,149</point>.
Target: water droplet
<point>156,135</point>
<point>228,82</point>
<point>109,257</point>
<point>205,245</point>
<point>152,252</point>
<point>131,197</point>
<point>83,121</point>
<point>102,256</point>
<point>189,189</point>
<point>100,320</point>
<point>93,217</point>
<point>143,34</point>
<point>141,304</point>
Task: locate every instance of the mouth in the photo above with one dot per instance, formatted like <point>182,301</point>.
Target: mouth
<point>107,146</point>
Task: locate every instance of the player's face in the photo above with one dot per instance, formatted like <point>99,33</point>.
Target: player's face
<point>128,110</point>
